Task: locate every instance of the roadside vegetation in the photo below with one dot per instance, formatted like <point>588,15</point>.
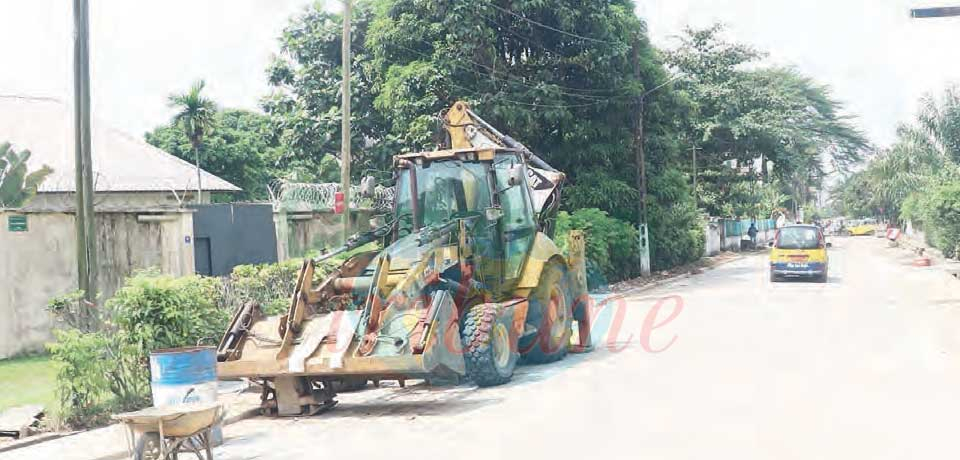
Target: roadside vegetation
<point>761,133</point>
<point>916,179</point>
<point>100,356</point>
<point>724,134</point>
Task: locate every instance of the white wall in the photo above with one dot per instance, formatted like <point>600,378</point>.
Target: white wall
<point>115,201</point>
<point>40,263</point>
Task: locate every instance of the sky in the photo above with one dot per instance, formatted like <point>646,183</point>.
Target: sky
<point>142,51</point>
<point>878,61</point>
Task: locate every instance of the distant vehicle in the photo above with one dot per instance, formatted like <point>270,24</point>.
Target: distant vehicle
<point>799,251</point>
<point>862,227</point>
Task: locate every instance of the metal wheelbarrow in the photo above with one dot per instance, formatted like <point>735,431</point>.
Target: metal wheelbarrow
<point>161,433</point>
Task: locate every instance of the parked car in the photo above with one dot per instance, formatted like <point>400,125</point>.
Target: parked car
<point>799,251</point>
<point>863,227</point>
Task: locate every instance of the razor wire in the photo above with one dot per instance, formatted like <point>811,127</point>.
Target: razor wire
<point>323,196</point>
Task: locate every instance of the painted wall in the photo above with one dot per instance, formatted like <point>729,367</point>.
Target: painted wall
<point>725,235</point>
<point>115,201</point>
<point>40,263</point>
<point>298,233</point>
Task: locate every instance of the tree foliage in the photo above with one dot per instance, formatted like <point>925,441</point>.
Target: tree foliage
<point>744,111</point>
<point>562,76</point>
<point>239,146</point>
<point>17,184</point>
<point>923,158</point>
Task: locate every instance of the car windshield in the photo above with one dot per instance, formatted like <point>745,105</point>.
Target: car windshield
<point>798,238</point>
<point>444,190</point>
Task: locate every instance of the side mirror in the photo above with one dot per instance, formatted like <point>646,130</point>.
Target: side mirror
<point>516,176</point>
<point>368,186</point>
<point>493,214</point>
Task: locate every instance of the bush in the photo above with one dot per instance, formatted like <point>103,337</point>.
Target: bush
<point>938,211</point>
<point>99,372</point>
<point>270,285</point>
<point>107,370</point>
<point>81,386</point>
<point>159,311</point>
<point>676,226</point>
<point>611,245</point>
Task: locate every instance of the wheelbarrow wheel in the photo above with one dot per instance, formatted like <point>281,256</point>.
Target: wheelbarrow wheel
<point>148,447</point>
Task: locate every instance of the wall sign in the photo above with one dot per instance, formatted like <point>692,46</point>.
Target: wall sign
<point>17,223</point>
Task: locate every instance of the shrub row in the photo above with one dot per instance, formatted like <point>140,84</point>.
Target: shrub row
<point>106,368</point>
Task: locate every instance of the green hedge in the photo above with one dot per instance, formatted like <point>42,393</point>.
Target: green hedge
<point>106,369</point>
<point>611,246</point>
<point>937,210</point>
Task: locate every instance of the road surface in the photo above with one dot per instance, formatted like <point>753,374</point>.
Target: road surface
<point>864,366</point>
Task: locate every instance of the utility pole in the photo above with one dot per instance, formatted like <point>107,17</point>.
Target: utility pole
<point>696,197</point>
<point>86,231</point>
<point>345,129</point>
<point>640,159</point>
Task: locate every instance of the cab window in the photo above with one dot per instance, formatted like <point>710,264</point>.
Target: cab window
<point>799,238</point>
<point>519,227</point>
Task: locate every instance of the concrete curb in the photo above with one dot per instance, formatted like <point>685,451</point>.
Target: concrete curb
<point>659,283</point>
<point>34,440</point>
<point>239,417</point>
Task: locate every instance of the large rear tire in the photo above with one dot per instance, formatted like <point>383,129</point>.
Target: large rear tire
<point>488,346</point>
<point>551,312</point>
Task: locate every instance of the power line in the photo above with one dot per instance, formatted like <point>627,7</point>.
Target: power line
<point>508,77</point>
<point>476,93</point>
<point>561,31</point>
<point>533,44</point>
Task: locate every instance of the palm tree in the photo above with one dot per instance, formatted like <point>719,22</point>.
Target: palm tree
<point>194,115</point>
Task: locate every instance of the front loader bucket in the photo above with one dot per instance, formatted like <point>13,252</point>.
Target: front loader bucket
<point>298,376</point>
<point>328,348</point>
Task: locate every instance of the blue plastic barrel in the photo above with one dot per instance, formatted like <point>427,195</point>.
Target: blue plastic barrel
<point>183,375</point>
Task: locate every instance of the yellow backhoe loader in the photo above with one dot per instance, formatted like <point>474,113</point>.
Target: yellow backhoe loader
<point>467,284</point>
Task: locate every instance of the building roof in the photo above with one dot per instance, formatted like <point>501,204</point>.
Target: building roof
<point>121,163</point>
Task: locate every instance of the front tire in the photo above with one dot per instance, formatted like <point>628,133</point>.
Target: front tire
<point>551,311</point>
<point>148,447</point>
<point>488,346</point>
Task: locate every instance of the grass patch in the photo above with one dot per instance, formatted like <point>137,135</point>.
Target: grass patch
<point>28,380</point>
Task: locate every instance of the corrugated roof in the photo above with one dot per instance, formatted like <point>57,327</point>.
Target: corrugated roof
<point>121,163</point>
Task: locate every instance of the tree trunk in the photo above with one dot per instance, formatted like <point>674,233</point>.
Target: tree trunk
<point>196,156</point>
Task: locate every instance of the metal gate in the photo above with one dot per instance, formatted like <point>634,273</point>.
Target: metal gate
<point>227,235</point>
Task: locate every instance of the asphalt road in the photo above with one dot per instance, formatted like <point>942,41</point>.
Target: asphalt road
<point>864,366</point>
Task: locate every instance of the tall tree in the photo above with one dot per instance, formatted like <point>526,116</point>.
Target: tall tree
<point>17,184</point>
<point>195,113</point>
<point>924,156</point>
<point>560,75</point>
<point>241,147</point>
<point>745,111</point>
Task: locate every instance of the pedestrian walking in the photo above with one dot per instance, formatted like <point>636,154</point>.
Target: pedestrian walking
<point>752,233</point>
